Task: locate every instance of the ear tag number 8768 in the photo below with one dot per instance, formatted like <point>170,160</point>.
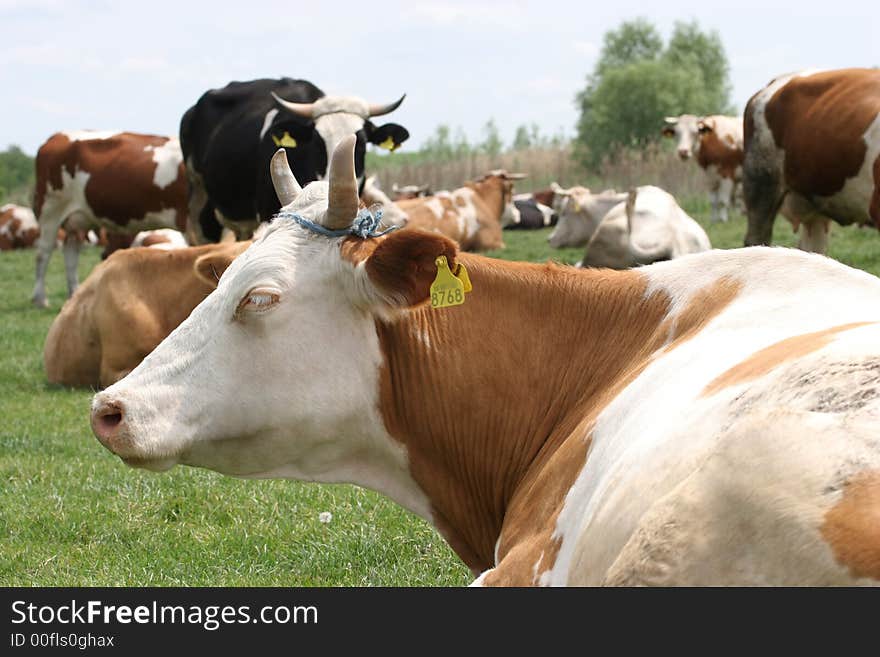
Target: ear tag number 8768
<point>447,289</point>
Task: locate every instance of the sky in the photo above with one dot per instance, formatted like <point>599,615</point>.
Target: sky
<point>70,64</point>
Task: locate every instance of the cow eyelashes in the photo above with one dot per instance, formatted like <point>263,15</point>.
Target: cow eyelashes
<point>258,300</point>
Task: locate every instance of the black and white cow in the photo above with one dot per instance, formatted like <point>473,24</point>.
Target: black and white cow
<point>229,136</point>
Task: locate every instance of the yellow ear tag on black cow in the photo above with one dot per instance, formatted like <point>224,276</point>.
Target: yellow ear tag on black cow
<point>286,140</point>
<point>388,144</point>
<point>446,290</point>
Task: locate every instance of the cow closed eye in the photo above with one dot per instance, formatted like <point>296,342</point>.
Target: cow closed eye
<point>258,300</point>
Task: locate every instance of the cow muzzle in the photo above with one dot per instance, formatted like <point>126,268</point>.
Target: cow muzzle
<point>111,427</point>
<point>684,154</point>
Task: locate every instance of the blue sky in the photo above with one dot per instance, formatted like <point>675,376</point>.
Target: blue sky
<point>66,64</point>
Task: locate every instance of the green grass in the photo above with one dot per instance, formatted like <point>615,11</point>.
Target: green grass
<point>72,514</point>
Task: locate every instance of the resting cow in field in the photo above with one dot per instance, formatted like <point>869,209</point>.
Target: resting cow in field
<point>648,227</point>
<point>163,238</point>
<point>373,195</point>
<point>530,214</point>
<point>472,215</point>
<point>407,192</point>
<point>230,134</point>
<point>127,306</point>
<point>18,227</point>
<point>580,212</point>
<point>652,432</point>
<point>122,181</point>
<point>717,143</point>
<point>813,152</point>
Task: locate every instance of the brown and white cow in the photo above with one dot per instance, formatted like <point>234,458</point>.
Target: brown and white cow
<point>122,181</point>
<point>650,432</point>
<point>717,143</point>
<point>126,306</point>
<point>472,215</point>
<point>812,148</point>
<point>406,192</point>
<point>18,227</point>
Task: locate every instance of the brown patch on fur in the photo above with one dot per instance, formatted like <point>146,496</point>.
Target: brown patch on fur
<point>544,197</point>
<point>819,121</point>
<point>767,359</point>
<point>122,311</point>
<point>120,188</point>
<point>496,421</point>
<point>12,235</point>
<point>722,154</point>
<point>153,239</point>
<point>703,307</point>
<point>852,526</point>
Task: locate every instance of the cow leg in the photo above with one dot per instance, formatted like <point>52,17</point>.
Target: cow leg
<point>725,198</point>
<point>45,246</point>
<point>763,193</point>
<point>72,243</point>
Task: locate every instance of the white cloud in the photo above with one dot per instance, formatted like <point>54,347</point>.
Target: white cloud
<point>587,48</point>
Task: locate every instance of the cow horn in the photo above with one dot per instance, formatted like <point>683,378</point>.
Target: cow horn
<point>283,180</point>
<point>671,119</point>
<point>343,200</point>
<point>379,110</point>
<point>558,190</point>
<point>305,110</point>
<point>516,176</point>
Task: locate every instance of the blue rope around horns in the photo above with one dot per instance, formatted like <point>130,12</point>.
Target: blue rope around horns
<point>365,224</point>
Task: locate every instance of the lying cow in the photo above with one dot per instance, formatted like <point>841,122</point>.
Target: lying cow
<point>372,195</point>
<point>657,433</point>
<point>162,238</point>
<point>648,227</point>
<point>18,227</point>
<point>122,181</point>
<point>717,143</point>
<point>472,215</point>
<point>407,192</point>
<point>812,151</point>
<point>580,212</point>
<point>126,306</point>
<point>530,214</point>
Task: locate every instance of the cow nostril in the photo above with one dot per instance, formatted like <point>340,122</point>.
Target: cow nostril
<point>110,420</point>
<point>106,421</point>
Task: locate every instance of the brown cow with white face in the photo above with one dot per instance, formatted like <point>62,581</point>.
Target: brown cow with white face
<point>122,181</point>
<point>812,152</point>
<point>717,143</point>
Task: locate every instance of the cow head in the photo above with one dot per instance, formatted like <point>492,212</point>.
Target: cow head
<point>509,213</point>
<point>276,372</point>
<point>686,131</point>
<point>333,118</point>
<point>580,211</point>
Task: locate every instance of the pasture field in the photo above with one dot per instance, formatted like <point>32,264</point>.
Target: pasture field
<point>73,514</point>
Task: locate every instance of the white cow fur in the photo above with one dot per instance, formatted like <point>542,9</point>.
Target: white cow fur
<point>674,477</point>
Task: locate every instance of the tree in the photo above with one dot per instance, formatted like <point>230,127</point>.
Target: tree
<point>16,173</point>
<point>491,144</point>
<point>637,82</point>
<point>522,139</point>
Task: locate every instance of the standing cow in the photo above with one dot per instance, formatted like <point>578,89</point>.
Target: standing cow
<point>812,151</point>
<point>230,134</point>
<point>717,143</point>
<point>18,227</point>
<point>122,181</point>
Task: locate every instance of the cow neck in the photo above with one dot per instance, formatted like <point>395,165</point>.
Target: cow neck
<point>482,395</point>
<point>491,192</point>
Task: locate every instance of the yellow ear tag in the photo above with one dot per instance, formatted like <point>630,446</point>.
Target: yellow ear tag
<point>462,275</point>
<point>388,144</point>
<point>286,140</point>
<point>446,290</point>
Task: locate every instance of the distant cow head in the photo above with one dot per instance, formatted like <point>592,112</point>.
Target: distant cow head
<point>332,118</point>
<point>405,192</point>
<point>580,211</point>
<point>686,131</point>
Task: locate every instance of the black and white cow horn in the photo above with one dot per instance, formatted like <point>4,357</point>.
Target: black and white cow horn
<point>343,200</point>
<point>379,110</point>
<point>305,110</point>
<point>286,186</point>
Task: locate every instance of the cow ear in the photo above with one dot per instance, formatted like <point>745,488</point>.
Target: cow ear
<point>389,136</point>
<point>402,267</point>
<point>210,266</point>
<point>668,131</point>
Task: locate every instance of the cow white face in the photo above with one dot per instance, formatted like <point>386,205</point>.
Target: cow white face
<point>580,212</point>
<point>275,374</point>
<point>686,131</point>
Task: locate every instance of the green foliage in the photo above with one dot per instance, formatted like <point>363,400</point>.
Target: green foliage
<point>16,176</point>
<point>492,143</point>
<point>637,82</point>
